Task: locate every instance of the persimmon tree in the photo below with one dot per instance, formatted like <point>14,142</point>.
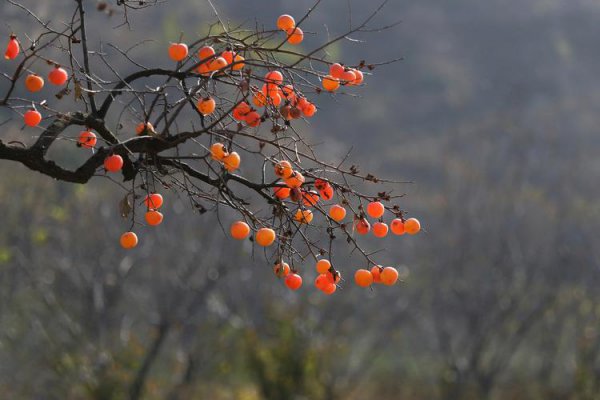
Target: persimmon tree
<point>249,90</point>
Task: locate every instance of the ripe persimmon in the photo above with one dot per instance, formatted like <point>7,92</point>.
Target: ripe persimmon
<point>281,269</point>
<point>285,22</point>
<point>309,110</point>
<point>144,128</point>
<point>205,52</point>
<point>327,193</point>
<point>310,198</point>
<point>153,217</point>
<point>228,55</point>
<point>375,209</point>
<point>329,289</point>
<point>32,118</point>
<point>334,277</point>
<point>323,266</point>
<point>153,201</point>
<point>363,278</point>
<point>321,281</point>
<point>217,151</point>
<point>238,63</point>
<point>206,106</point>
<point>359,77</point>
<point>347,77</point>
<point>281,192</point>
<point>128,240</point>
<point>412,226</point>
<point>253,119</point>
<point>12,48</point>
<point>113,163</point>
<point>34,83</point>
<point>87,139</point>
<point>178,51</point>
<point>376,272</point>
<point>240,111</point>
<point>232,161</point>
<point>58,76</point>
<point>295,180</point>
<point>274,77</point>
<point>265,237</point>
<point>362,226</point>
<point>283,169</point>
<point>389,276</point>
<point>293,281</point>
<point>330,83</point>
<point>337,212</point>
<point>336,70</point>
<point>304,216</point>
<point>239,230</point>
<point>295,195</point>
<point>397,226</point>
<point>380,229</point>
<point>217,64</point>
<point>295,35</point>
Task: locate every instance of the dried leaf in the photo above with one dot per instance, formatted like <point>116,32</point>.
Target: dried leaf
<point>125,206</point>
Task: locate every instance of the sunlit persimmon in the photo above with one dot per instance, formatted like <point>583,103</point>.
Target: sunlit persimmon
<point>309,110</point>
<point>206,52</point>
<point>329,289</point>
<point>375,209</point>
<point>380,229</point>
<point>240,111</point>
<point>238,62</point>
<point>334,277</point>
<point>265,237</point>
<point>363,278</point>
<point>228,55</point>
<point>301,102</point>
<point>295,180</point>
<point>144,128</point>
<point>347,77</point>
<point>289,93</point>
<point>323,266</point>
<point>337,212</point>
<point>239,230</point>
<point>321,281</point>
<point>376,272</point>
<point>330,83</point>
<point>87,139</point>
<point>359,77</point>
<point>58,76</point>
<point>113,163</point>
<point>283,169</point>
<point>304,216</point>
<point>252,119</point>
<point>295,36</point>
<point>389,276</point>
<point>217,64</point>
<point>217,151</point>
<point>310,198</point>
<point>206,105</point>
<point>12,48</point>
<point>259,99</point>
<point>336,70</point>
<point>327,193</point>
<point>128,240</point>
<point>412,226</point>
<point>34,83</point>
<point>178,51</point>
<point>397,226</point>
<point>285,22</point>
<point>32,118</point>
<point>153,217</point>
<point>293,281</point>
<point>281,269</point>
<point>362,226</point>
<point>274,77</point>
<point>321,184</point>
<point>281,192</point>
<point>204,69</point>
<point>153,201</point>
<point>232,161</point>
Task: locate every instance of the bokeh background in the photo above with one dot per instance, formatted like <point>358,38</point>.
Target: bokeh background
<point>493,113</point>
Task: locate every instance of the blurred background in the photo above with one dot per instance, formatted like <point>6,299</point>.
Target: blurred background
<point>492,113</point>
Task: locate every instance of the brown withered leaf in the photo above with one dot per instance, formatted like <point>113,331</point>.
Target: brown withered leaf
<point>125,206</point>
<point>78,92</point>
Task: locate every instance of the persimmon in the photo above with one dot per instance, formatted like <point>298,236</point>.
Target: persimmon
<point>283,169</point>
<point>289,93</point>
<point>286,112</point>
<point>232,161</point>
<point>380,229</point>
<point>58,76</point>
<point>293,281</point>
<point>153,217</point>
<point>274,77</point>
<point>128,240</point>
<point>281,192</point>
<point>153,201</point>
<point>329,289</point>
<point>347,77</point>
<point>241,110</point>
<point>259,99</point>
<point>295,195</point>
<point>336,70</point>
<point>321,281</point>
<point>362,226</point>
<point>321,184</point>
<point>397,226</point>
<point>32,118</point>
<point>217,64</point>
<point>334,277</point>
<point>330,83</point>
<point>217,151</point>
<point>275,99</point>
<point>310,198</point>
<point>363,278</point>
<point>228,55</point>
<point>389,276</point>
<point>239,230</point>
<point>204,69</point>
<point>412,226</point>
<point>301,102</point>
<point>295,113</point>
<point>238,61</point>
<point>295,35</point>
<point>178,51</point>
<point>12,48</point>
<point>34,83</point>
<point>359,77</point>
<point>265,237</point>
<point>323,266</point>
<point>304,216</point>
<point>327,193</point>
<point>205,52</point>
<point>337,212</point>
<point>375,209</point>
<point>113,163</point>
<point>376,272</point>
<point>295,180</point>
<point>144,128</point>
<point>309,110</point>
<point>285,22</point>
<point>206,105</point>
<point>281,269</point>
<point>253,119</point>
<point>87,139</point>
